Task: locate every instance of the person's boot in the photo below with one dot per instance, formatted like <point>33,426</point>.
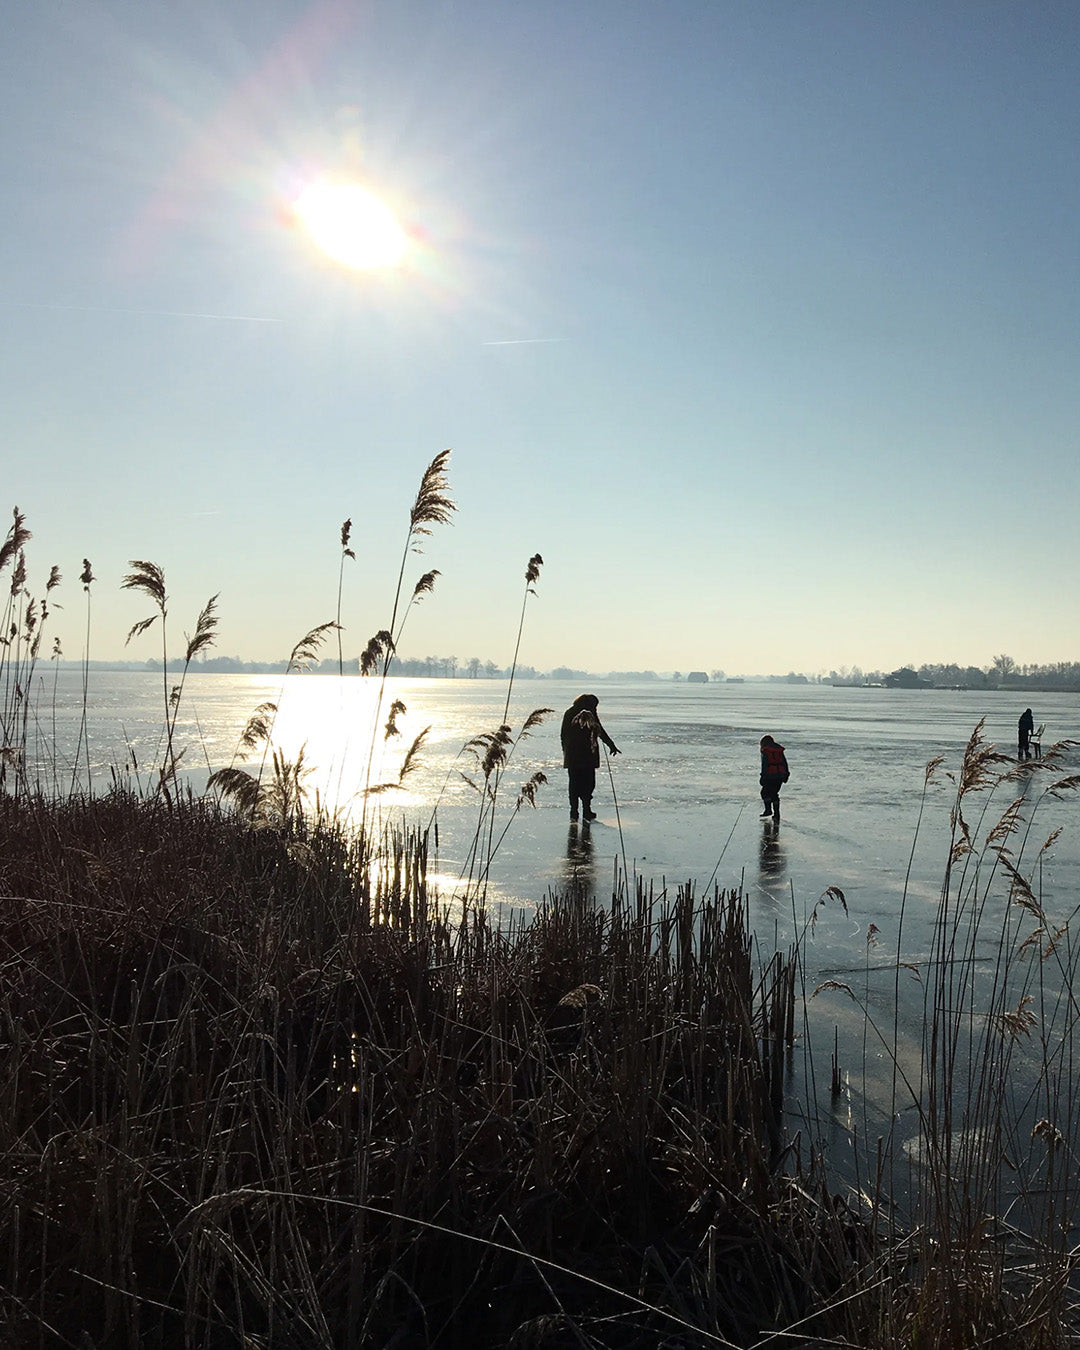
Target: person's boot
<point>767,811</point>
<point>586,810</point>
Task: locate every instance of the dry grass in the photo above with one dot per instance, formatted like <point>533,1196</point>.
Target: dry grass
<point>257,1090</point>
<point>975,1214</point>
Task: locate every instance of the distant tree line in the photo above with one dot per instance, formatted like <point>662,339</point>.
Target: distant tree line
<point>1002,673</point>
<point>431,667</point>
<point>426,667</point>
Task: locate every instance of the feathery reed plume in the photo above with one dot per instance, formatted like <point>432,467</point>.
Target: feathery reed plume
<point>977,769</point>
<point>278,803</point>
<point>425,585</point>
<point>148,578</point>
<point>529,790</point>
<point>257,729</point>
<point>282,800</point>
<point>534,719</point>
<point>411,760</point>
<point>17,538</point>
<point>433,506</point>
<point>495,746</point>
<point>829,893</point>
<point>1008,824</point>
<point>18,575</point>
<point>303,655</point>
<point>1063,785</point>
<point>1018,1021</point>
<point>397,708</point>
<point>409,764</point>
<point>379,647</point>
<point>204,630</point>
<point>346,552</point>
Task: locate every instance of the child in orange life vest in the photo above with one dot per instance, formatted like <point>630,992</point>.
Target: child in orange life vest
<point>774,774</point>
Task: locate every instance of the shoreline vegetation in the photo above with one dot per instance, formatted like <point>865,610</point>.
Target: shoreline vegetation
<point>1060,678</point>
<point>262,1085</point>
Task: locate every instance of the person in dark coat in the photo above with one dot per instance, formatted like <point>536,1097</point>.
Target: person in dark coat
<point>581,735</point>
<point>1024,728</point>
<point>774,774</point>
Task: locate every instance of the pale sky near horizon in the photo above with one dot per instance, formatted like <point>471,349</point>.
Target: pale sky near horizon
<point>759,321</point>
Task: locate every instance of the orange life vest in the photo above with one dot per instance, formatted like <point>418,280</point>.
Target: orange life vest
<point>772,759</point>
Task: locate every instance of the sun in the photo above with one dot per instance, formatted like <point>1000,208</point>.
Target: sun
<point>351,225</point>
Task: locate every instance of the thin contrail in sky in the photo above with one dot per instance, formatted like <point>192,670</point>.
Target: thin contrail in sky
<point>166,313</point>
<point>517,342</point>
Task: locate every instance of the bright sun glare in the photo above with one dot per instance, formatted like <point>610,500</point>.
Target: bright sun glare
<point>351,225</point>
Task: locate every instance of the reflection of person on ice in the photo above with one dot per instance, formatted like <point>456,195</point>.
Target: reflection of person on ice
<point>774,774</point>
<point>581,736</point>
<point>1024,728</point>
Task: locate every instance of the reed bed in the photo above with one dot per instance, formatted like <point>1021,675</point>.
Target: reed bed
<point>966,1168</point>
<point>256,1091</point>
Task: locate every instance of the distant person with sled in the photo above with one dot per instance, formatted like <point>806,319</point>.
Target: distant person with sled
<point>1024,728</point>
<point>581,736</point>
<point>774,774</point>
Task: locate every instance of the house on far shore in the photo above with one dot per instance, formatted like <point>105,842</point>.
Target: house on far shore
<point>697,677</point>
<point>906,678</point>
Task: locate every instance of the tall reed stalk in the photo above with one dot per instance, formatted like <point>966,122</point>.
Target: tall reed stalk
<point>492,752</point>
<point>82,744</point>
<point>149,579</point>
<point>346,552</point>
<point>432,505</point>
<point>23,621</point>
<point>532,576</point>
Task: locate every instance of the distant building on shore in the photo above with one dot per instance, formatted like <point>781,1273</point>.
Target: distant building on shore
<point>906,678</point>
<point>697,677</point>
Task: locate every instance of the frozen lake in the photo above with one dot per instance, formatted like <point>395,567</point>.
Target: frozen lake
<point>680,804</point>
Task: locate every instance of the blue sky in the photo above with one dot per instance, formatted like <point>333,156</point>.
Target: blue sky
<point>759,321</point>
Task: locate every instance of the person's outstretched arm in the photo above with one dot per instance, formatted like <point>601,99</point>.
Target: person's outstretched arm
<point>606,738</point>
